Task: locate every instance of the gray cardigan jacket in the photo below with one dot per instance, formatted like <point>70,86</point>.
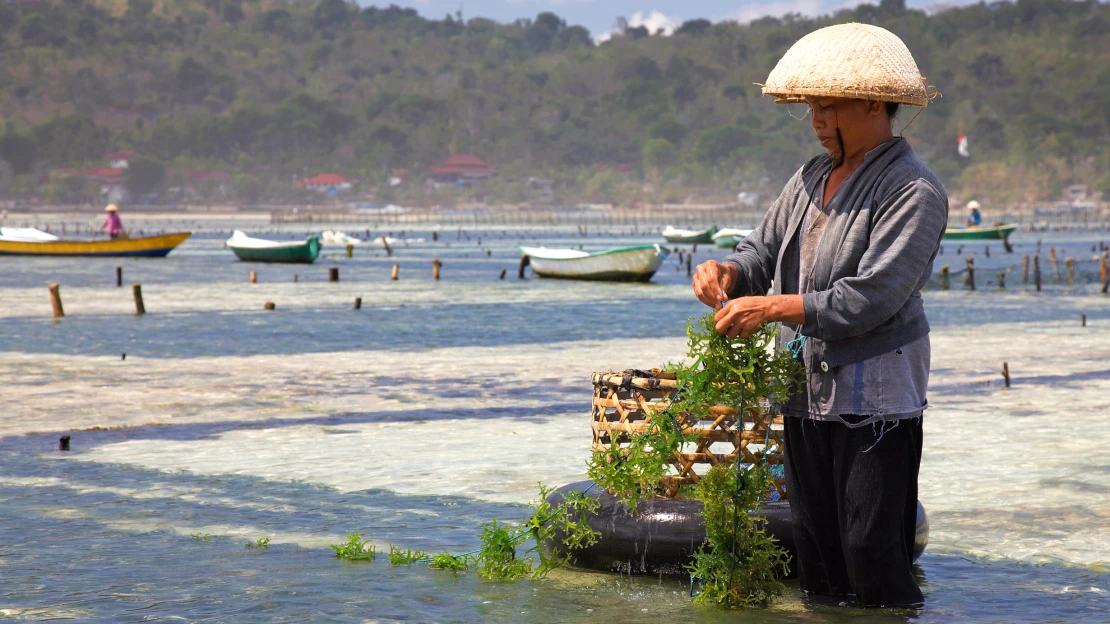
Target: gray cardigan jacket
<point>877,252</point>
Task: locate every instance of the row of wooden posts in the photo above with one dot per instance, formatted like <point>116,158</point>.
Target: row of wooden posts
<point>333,276</point>
<point>1069,263</point>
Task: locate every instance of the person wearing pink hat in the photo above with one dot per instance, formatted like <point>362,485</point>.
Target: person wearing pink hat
<point>112,221</point>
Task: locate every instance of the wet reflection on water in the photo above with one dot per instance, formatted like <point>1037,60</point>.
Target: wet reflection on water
<point>437,407</point>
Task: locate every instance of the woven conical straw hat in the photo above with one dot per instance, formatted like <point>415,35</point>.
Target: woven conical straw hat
<point>856,61</point>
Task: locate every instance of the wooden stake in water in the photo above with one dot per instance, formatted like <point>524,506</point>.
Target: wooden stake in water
<point>269,305</point>
<point>1025,269</point>
<point>63,443</point>
<point>945,284</point>
<point>56,300</point>
<point>688,273</point>
<point>1006,373</point>
<point>1070,264</point>
<point>1055,265</point>
<point>1001,280</point>
<point>524,262</point>
<point>137,293</point>
<point>333,274</point>
<point>1104,267</point>
<point>970,278</point>
<point>1037,272</point>
<point>987,251</point>
<point>388,249</point>
<point>503,272</point>
<point>435,268</point>
<point>296,277</point>
<point>350,251</point>
<point>396,272</point>
<point>358,303</point>
<point>254,277</point>
<point>119,276</point>
<point>1082,320</point>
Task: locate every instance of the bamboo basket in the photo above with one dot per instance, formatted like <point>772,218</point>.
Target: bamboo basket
<point>624,403</point>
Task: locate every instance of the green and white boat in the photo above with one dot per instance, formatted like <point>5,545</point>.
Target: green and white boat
<point>996,232</point>
<point>252,249</point>
<point>675,235</point>
<point>621,264</point>
<point>728,238</point>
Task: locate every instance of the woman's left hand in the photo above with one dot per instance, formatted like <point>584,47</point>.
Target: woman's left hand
<point>742,317</point>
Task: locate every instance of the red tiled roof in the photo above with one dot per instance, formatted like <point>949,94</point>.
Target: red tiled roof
<point>324,179</point>
<point>463,164</point>
<point>105,174</point>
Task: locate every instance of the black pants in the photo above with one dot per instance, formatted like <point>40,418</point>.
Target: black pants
<point>853,501</point>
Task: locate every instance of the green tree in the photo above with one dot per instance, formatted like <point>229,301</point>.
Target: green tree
<point>145,175</point>
<point>720,143</point>
<point>19,151</point>
<point>192,80</point>
<point>659,154</point>
<point>247,188</point>
<point>330,14</point>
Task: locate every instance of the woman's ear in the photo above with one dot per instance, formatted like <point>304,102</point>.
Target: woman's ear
<point>876,108</point>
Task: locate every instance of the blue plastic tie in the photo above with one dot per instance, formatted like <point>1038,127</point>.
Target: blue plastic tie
<point>796,345</point>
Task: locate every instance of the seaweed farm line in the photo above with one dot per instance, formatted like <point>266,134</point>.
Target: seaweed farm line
<point>438,405</point>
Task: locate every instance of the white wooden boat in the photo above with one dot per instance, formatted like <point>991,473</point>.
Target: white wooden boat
<point>675,235</point>
<point>261,250</point>
<point>25,235</point>
<point>621,264</point>
<point>728,238</point>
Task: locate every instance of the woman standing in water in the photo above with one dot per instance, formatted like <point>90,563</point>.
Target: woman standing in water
<point>847,246</point>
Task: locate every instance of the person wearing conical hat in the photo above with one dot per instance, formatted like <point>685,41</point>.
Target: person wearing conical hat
<point>974,217</point>
<point>847,248</point>
<point>112,221</point>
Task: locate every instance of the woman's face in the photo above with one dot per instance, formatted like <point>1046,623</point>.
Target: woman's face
<point>853,118</point>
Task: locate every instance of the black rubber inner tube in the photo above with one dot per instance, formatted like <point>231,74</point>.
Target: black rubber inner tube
<point>662,537</point>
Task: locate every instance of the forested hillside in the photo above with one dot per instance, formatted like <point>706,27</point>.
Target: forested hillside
<point>269,91</point>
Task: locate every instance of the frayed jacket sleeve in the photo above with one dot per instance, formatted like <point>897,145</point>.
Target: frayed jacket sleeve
<point>755,256</point>
<point>905,235</point>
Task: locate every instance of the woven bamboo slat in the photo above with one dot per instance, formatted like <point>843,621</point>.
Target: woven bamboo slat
<point>625,402</point>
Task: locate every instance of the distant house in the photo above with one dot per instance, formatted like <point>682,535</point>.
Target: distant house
<point>464,168</point>
<point>119,160</point>
<point>328,183</point>
<point>1077,193</point>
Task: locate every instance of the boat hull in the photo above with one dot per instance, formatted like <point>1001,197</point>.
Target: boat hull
<point>145,246</point>
<point>991,233</point>
<point>705,236</point>
<point>631,265</point>
<point>301,253</point>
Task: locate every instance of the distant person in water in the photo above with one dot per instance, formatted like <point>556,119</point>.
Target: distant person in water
<point>974,218</point>
<point>112,222</point>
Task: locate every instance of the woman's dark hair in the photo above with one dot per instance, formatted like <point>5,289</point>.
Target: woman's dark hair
<point>891,109</point>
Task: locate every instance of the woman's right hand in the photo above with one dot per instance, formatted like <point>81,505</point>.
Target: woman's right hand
<point>713,281</point>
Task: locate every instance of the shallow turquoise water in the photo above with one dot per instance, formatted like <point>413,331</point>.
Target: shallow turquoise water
<point>103,533</point>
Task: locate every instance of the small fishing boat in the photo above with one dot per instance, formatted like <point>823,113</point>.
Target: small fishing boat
<point>728,238</point>
<point>622,264</point>
<point>675,235</point>
<point>996,232</point>
<point>32,242</point>
<point>260,250</point>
